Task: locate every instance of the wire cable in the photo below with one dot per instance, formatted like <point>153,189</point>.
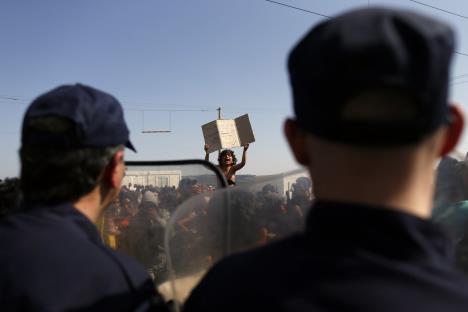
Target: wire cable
<point>299,9</point>
<point>439,9</point>
<point>166,110</point>
<point>323,15</point>
<point>8,99</point>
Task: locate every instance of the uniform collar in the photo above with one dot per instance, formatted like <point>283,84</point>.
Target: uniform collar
<point>63,212</point>
<point>343,227</point>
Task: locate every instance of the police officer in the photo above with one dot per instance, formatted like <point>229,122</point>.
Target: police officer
<point>72,165</point>
<point>371,119</point>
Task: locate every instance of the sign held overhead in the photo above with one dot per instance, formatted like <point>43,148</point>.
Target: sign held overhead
<point>227,133</point>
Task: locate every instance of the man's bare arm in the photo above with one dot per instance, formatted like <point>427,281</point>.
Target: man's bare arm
<point>207,155</point>
<point>244,159</point>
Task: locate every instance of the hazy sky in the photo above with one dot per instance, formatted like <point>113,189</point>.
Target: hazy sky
<point>187,56</point>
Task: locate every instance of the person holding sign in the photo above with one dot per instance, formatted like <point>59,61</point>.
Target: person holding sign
<point>227,162</point>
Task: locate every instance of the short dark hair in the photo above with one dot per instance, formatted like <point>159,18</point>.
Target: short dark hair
<point>225,152</point>
<point>56,174</point>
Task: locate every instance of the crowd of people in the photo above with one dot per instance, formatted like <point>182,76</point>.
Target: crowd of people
<point>10,196</point>
<point>136,221</point>
<point>451,204</point>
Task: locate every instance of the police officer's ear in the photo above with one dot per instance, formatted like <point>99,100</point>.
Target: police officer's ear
<point>115,170</point>
<point>296,139</point>
<point>454,130</point>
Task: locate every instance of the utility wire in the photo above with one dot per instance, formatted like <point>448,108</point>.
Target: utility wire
<point>299,9</point>
<point>7,99</point>
<point>320,14</point>
<point>439,9</point>
<point>12,99</point>
<point>166,110</point>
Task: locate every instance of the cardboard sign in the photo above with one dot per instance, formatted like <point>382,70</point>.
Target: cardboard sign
<point>227,133</point>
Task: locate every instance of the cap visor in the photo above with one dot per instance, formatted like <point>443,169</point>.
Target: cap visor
<point>130,146</point>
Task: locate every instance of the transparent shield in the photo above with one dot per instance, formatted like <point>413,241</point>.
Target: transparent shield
<point>232,220</point>
<point>451,204</point>
<point>134,224</point>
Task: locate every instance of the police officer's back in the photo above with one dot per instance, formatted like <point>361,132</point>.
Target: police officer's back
<point>51,255</point>
<point>371,119</point>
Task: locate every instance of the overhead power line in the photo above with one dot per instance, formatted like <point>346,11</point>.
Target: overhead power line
<point>166,110</point>
<point>299,9</point>
<point>6,99</point>
<point>9,98</point>
<point>439,9</point>
<point>323,15</point>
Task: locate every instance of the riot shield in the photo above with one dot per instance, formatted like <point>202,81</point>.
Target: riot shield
<point>231,220</point>
<point>134,224</point>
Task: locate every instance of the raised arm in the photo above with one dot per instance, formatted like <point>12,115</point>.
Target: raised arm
<point>207,155</point>
<point>244,159</point>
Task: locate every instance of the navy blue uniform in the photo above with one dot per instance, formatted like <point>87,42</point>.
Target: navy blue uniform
<point>52,259</point>
<point>350,258</point>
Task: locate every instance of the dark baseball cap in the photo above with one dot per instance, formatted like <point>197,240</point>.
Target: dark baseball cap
<point>373,51</point>
<point>97,119</point>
